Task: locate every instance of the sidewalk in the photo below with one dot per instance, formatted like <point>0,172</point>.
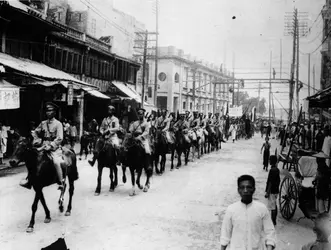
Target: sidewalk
<point>6,165</point>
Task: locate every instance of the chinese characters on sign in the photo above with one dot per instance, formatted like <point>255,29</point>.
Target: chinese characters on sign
<point>70,96</point>
<point>9,98</point>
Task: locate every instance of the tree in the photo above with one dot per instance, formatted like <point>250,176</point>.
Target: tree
<point>249,102</point>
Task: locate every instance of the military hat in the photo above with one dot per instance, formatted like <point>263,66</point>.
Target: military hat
<point>49,106</point>
<point>111,107</point>
<point>141,111</point>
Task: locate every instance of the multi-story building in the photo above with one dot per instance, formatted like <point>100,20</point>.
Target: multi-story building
<point>41,53</point>
<point>326,47</point>
<point>185,83</point>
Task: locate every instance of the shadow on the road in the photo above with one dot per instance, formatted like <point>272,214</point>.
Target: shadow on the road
<point>12,171</point>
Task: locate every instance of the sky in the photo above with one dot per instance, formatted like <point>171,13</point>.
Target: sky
<point>206,29</point>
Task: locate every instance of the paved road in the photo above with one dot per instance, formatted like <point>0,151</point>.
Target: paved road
<point>178,212</point>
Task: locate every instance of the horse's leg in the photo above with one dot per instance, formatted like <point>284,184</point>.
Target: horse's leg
<point>111,177</point>
<point>179,155</point>
<point>186,154</point>
<point>157,158</point>
<point>98,189</point>
<point>115,176</point>
<point>133,190</point>
<point>34,209</point>
<point>149,172</point>
<point>43,202</point>
<point>172,158</point>
<point>71,194</point>
<point>123,172</point>
<point>140,170</point>
<point>163,162</point>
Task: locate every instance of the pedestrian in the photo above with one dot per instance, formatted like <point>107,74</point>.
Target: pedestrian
<point>266,153</point>
<point>72,134</point>
<point>309,136</point>
<point>322,181</point>
<point>322,231</point>
<point>233,131</point>
<point>272,187</point>
<point>247,223</point>
<point>319,140</point>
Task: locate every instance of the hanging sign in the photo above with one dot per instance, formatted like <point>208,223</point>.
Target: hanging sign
<point>9,98</point>
<point>236,111</point>
<point>70,95</point>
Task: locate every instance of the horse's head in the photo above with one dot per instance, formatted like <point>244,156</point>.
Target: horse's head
<point>22,146</point>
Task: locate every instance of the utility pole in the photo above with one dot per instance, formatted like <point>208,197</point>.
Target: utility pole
<point>308,74</point>
<point>144,68</point>
<point>314,91</point>
<point>270,87</point>
<point>281,59</point>
<point>193,91</point>
<point>156,51</point>
<point>297,75</point>
<point>233,79</point>
<point>258,101</point>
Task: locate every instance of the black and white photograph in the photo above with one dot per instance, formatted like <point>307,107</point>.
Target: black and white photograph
<point>165,124</point>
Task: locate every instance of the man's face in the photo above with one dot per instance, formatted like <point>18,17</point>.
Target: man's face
<point>182,117</point>
<point>110,111</point>
<point>246,190</point>
<point>141,116</point>
<point>50,114</point>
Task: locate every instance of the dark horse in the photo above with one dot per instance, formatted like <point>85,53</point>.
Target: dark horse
<point>161,148</point>
<point>133,156</point>
<point>182,146</point>
<point>87,143</point>
<point>106,159</point>
<point>42,173</point>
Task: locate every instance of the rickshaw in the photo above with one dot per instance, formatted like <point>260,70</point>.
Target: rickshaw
<point>298,188</point>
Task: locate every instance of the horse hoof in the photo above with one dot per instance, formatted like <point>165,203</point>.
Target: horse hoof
<point>124,179</point>
<point>145,189</point>
<point>29,230</point>
<point>61,209</point>
<point>47,220</point>
<point>132,193</point>
<point>96,193</point>
<point>171,169</point>
<point>140,187</point>
<point>177,167</point>
<point>68,213</point>
<point>111,190</point>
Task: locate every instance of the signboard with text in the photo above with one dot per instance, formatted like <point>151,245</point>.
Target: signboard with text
<point>70,96</point>
<point>9,98</point>
<point>236,111</point>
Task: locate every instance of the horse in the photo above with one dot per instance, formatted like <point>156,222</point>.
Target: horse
<point>182,146</point>
<point>42,173</point>
<point>200,141</point>
<point>211,139</point>
<point>161,148</point>
<point>218,138</point>
<point>106,158</point>
<point>133,155</point>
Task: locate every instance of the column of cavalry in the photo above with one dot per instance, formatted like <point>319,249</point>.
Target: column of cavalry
<point>138,148</point>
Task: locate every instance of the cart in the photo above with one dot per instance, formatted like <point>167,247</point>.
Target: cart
<point>297,189</point>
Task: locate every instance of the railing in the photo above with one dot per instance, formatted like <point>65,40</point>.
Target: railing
<point>99,44</point>
<point>91,41</point>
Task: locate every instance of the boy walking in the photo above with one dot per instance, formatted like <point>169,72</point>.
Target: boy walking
<point>272,188</point>
<point>266,153</point>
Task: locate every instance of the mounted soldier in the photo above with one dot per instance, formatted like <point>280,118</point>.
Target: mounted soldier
<point>108,130</point>
<point>140,131</point>
<point>49,135</point>
<point>163,124</point>
<point>182,126</point>
<point>210,122</point>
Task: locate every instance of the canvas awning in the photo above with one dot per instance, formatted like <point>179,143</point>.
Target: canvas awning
<point>9,95</point>
<point>96,93</point>
<point>321,99</point>
<point>38,69</point>
<point>126,90</point>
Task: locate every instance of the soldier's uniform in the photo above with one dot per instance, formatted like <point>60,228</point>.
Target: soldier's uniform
<point>49,134</point>
<point>182,125</point>
<point>107,124</point>
<point>141,130</point>
<point>163,124</point>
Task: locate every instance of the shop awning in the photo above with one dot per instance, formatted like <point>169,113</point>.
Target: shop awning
<point>52,83</point>
<point>321,99</point>
<point>126,90</point>
<point>96,93</point>
<point>38,69</point>
<point>9,95</point>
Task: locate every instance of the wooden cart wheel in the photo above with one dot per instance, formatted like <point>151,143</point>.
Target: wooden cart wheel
<point>288,197</point>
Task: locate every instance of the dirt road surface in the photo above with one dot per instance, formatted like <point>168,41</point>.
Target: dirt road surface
<point>178,212</point>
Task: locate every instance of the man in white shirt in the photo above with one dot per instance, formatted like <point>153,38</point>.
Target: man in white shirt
<point>247,222</point>
<point>327,144</point>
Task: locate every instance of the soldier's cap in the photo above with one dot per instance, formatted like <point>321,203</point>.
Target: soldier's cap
<point>111,107</point>
<point>187,112</point>
<point>210,113</point>
<point>141,111</point>
<point>49,106</point>
<point>164,110</point>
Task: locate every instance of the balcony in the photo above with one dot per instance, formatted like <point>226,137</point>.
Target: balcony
<point>89,40</point>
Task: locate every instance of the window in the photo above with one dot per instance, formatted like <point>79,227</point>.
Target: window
<point>70,62</point>
<point>79,17</point>
<point>79,63</point>
<point>69,16</point>
<point>176,77</point>
<point>75,64</point>
<point>162,76</point>
<point>58,58</point>
<point>64,60</point>
<point>150,92</point>
<point>191,105</point>
<point>184,105</point>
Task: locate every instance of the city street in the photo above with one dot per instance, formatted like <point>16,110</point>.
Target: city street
<point>178,212</point>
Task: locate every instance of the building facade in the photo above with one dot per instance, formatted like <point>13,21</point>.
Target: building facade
<point>186,84</point>
<point>326,47</point>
